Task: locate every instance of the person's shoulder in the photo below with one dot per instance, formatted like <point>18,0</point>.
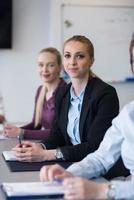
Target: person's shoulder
<point>101,85</point>
<point>126,116</point>
<point>62,83</point>
<point>63,87</point>
<point>128,108</point>
<point>62,90</point>
<point>38,89</point>
<point>127,112</point>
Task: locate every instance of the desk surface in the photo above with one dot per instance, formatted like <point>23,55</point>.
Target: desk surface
<point>6,175</point>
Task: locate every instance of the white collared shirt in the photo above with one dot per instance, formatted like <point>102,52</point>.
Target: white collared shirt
<point>118,140</point>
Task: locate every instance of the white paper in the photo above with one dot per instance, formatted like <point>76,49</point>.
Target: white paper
<point>33,188</point>
<point>3,137</point>
<point>9,155</point>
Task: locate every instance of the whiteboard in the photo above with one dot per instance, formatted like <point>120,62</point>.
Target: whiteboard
<point>110,29</point>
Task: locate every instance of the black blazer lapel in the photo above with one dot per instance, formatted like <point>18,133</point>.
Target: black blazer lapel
<point>64,112</point>
<point>65,108</point>
<point>86,105</point>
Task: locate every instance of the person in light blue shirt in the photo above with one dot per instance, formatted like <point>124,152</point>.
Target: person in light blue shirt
<point>118,140</point>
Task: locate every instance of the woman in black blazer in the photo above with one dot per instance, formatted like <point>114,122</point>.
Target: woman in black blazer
<point>93,103</point>
<point>99,107</point>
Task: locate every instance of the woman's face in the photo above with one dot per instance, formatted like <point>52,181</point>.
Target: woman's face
<point>48,67</point>
<point>76,59</point>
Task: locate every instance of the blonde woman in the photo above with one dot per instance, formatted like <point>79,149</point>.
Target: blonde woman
<point>49,67</point>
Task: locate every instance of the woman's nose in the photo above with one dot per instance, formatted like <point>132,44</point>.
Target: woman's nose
<point>45,69</point>
<point>73,61</point>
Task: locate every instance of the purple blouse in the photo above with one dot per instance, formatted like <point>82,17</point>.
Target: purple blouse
<point>42,131</point>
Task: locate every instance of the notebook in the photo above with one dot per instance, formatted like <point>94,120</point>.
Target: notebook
<point>9,155</point>
<point>33,189</point>
<point>3,137</point>
<point>18,166</point>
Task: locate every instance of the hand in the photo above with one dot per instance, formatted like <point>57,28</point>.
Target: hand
<point>80,188</point>
<point>11,131</point>
<point>29,151</point>
<point>53,172</point>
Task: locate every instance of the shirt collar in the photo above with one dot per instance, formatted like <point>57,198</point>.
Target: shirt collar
<point>73,96</point>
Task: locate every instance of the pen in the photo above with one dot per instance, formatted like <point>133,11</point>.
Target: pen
<point>19,139</point>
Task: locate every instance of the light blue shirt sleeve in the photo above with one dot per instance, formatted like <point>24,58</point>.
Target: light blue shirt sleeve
<point>119,140</point>
<point>97,163</point>
<point>124,189</point>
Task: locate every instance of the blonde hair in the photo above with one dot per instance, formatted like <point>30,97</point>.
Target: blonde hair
<point>88,43</point>
<point>43,91</point>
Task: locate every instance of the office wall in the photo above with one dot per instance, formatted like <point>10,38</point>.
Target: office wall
<point>111,28</point>
<point>18,68</point>
<point>124,89</point>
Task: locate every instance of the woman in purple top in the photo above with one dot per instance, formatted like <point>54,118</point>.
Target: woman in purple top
<point>49,67</point>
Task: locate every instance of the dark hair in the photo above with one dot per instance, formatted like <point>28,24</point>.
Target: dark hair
<point>130,51</point>
<point>82,39</point>
<point>53,51</point>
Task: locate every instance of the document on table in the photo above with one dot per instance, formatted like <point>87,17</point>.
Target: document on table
<point>9,155</point>
<point>3,137</point>
<point>33,189</point>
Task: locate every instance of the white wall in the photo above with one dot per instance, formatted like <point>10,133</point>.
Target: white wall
<point>125,90</point>
<point>18,68</point>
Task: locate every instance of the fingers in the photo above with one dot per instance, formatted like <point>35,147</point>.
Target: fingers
<point>54,171</point>
<point>75,188</point>
<point>44,173</point>
<point>28,151</point>
<point>23,153</point>
<point>26,144</point>
<point>70,189</point>
<point>8,126</point>
<point>19,149</point>
<point>51,172</point>
<point>10,130</point>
